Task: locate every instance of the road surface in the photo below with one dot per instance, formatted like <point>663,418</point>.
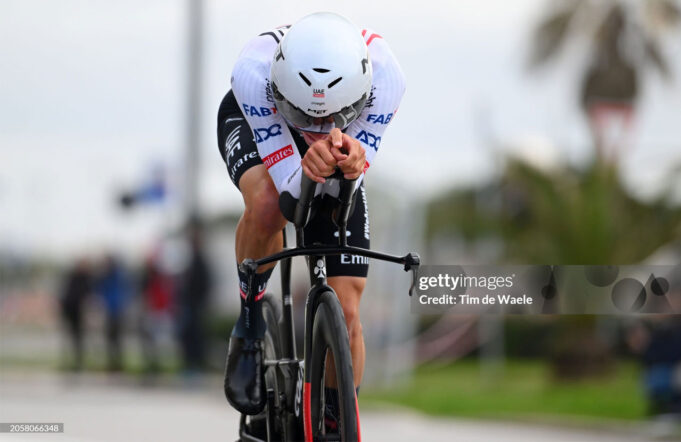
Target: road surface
<point>102,408</point>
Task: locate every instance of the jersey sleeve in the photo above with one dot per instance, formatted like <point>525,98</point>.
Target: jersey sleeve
<point>275,144</point>
<point>387,89</point>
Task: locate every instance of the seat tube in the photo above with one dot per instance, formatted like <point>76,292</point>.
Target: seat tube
<point>289,342</point>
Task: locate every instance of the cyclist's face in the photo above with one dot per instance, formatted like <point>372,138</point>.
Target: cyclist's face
<point>311,137</point>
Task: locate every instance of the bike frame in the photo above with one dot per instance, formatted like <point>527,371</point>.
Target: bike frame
<point>316,262</point>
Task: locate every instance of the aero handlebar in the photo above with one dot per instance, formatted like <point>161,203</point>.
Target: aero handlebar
<point>411,261</point>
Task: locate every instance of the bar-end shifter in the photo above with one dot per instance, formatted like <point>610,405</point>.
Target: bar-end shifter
<point>412,261</point>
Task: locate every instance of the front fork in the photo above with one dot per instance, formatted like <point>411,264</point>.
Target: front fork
<point>317,268</point>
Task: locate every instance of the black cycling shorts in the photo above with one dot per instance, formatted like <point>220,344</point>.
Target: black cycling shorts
<point>238,150</point>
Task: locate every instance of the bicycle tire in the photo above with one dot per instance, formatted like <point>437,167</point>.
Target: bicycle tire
<point>272,349</point>
<point>329,333</point>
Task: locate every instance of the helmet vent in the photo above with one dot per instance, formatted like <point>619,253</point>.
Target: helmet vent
<point>305,79</point>
<point>335,82</point>
<point>321,70</point>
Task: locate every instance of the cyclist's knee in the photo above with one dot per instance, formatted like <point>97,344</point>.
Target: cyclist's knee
<point>355,329</point>
<point>264,214</point>
<point>262,206</point>
<point>350,292</point>
<point>353,322</point>
<point>351,313</point>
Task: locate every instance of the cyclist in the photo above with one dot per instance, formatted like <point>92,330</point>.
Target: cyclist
<point>305,99</point>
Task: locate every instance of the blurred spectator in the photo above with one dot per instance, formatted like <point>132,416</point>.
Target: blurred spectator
<point>114,288</point>
<point>76,287</point>
<point>194,290</point>
<point>659,345</point>
<point>156,290</point>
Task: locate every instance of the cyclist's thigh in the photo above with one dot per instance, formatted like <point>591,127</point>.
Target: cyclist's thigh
<point>240,153</point>
<point>235,141</point>
<point>322,229</point>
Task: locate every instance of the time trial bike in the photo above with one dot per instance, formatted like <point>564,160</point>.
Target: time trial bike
<point>294,386</point>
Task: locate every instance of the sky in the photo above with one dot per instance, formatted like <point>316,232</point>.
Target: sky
<point>92,97</point>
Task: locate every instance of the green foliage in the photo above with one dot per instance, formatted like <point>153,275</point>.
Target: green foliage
<point>558,217</point>
<point>220,326</point>
<point>528,337</point>
<point>524,390</point>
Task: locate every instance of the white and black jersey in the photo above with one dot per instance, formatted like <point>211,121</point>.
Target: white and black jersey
<point>273,137</point>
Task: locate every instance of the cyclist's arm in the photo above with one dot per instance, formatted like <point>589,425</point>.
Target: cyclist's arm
<point>273,139</point>
<point>386,93</point>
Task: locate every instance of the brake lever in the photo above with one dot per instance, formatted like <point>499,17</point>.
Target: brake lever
<point>412,261</point>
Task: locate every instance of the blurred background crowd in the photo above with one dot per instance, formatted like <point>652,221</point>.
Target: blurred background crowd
<point>535,133</point>
<point>160,303</point>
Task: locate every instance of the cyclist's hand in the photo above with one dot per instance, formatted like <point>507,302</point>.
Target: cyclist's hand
<point>349,154</point>
<point>318,162</point>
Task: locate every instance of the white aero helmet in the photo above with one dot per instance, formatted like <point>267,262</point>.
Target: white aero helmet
<point>321,73</point>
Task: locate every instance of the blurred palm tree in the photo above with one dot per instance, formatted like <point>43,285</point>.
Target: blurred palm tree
<point>623,38</point>
<point>568,216</point>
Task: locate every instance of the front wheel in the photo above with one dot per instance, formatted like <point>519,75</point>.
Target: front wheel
<point>330,336</point>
